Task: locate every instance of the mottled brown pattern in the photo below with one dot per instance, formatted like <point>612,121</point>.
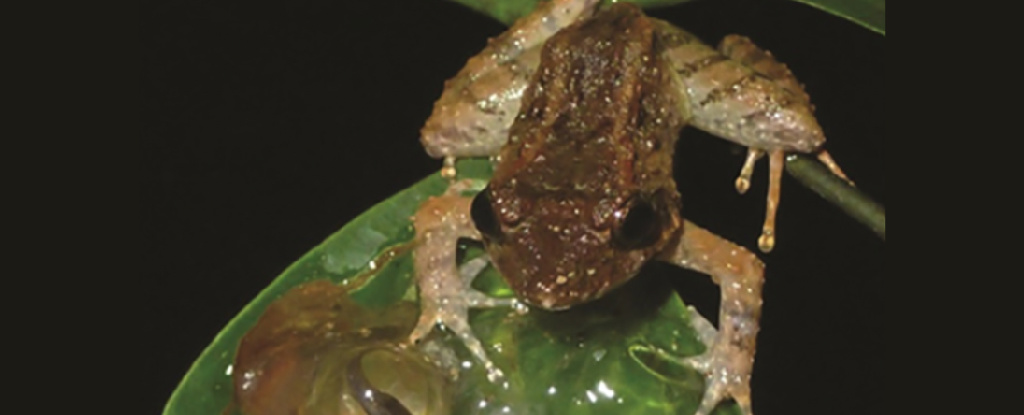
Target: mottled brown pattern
<point>594,138</point>
<point>472,117</point>
<point>582,195</point>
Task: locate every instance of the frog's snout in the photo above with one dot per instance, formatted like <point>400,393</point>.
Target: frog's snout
<point>551,300</point>
<point>554,292</point>
<point>549,303</point>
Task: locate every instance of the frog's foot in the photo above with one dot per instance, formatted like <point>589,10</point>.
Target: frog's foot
<point>451,310</point>
<point>726,368</point>
<point>445,288</point>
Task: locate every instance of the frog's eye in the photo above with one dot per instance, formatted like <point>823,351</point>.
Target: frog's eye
<point>483,215</point>
<point>639,229</point>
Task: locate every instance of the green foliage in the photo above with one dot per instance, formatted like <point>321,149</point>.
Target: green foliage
<point>867,13</point>
<point>624,358</point>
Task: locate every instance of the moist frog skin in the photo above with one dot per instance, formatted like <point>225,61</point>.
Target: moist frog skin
<point>579,106</point>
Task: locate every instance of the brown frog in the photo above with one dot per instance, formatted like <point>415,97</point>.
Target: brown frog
<point>579,107</point>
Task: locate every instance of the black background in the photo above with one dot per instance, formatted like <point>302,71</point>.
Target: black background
<point>266,128</point>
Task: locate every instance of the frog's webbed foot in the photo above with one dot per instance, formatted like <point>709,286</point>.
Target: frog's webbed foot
<point>729,359</point>
<point>453,314</point>
<point>445,289</point>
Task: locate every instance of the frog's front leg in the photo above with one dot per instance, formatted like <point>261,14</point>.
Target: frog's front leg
<point>445,289</point>
<point>729,359</point>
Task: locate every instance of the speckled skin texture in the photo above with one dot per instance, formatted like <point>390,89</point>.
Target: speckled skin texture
<point>581,124</point>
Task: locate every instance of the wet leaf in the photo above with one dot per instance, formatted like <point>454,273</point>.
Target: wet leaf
<point>206,388</point>
<point>623,355</point>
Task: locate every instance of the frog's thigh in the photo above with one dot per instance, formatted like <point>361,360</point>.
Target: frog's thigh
<point>479,104</point>
<point>743,50</point>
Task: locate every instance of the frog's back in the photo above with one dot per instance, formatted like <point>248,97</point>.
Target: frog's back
<point>593,140</point>
<point>600,111</point>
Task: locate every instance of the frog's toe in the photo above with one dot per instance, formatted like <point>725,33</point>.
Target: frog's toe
<point>424,325</point>
<point>726,368</point>
<point>460,327</point>
<point>477,299</point>
<point>726,375</point>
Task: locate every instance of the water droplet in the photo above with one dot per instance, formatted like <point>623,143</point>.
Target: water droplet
<point>603,389</point>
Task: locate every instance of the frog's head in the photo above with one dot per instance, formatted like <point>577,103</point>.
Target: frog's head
<point>582,194</point>
<point>557,249</point>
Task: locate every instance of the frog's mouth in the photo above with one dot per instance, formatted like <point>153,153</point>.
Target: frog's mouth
<point>550,304</point>
<point>560,299</point>
<point>557,268</point>
<point>559,291</point>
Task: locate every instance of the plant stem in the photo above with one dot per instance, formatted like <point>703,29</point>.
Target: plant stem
<point>855,203</point>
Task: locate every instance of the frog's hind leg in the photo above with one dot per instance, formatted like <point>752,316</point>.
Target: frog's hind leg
<point>786,99</point>
<point>741,49</point>
<point>478,105</point>
<point>729,359</point>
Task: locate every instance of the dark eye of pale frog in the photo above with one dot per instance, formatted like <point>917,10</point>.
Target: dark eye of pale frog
<point>583,194</point>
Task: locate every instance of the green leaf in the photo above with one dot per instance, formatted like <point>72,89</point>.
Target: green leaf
<point>207,387</point>
<point>625,359</point>
<point>867,13</point>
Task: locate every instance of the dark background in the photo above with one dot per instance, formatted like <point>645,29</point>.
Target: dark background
<point>266,128</point>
